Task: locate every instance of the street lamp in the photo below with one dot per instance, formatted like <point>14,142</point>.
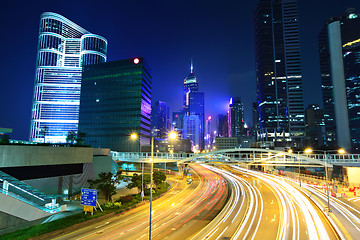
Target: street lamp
<point>171,135</point>
<point>307,151</point>
<point>340,151</point>
<point>134,137</point>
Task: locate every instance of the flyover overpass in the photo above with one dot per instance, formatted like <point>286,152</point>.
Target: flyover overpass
<point>250,156</point>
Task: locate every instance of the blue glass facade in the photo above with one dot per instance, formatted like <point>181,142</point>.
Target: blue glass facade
<point>236,125</point>
<point>278,72</point>
<point>116,102</point>
<point>160,121</point>
<point>350,44</point>
<point>193,103</point>
<point>63,48</point>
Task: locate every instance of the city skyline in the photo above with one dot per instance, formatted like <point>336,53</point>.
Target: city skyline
<point>219,39</point>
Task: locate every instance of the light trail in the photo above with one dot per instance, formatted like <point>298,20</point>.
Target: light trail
<point>314,224</point>
<point>194,202</point>
<point>342,209</point>
<point>293,208</point>
<point>247,221</point>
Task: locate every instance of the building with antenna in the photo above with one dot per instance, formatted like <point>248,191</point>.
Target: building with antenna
<point>193,107</point>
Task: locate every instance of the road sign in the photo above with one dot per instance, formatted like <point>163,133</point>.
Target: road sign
<point>88,208</point>
<point>88,197</point>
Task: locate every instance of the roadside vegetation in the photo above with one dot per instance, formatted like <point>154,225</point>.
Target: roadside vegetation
<point>106,185</point>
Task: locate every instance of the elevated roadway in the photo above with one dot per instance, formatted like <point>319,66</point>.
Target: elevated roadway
<point>250,156</point>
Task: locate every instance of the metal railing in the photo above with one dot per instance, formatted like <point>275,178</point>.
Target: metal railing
<point>17,189</point>
<point>241,155</point>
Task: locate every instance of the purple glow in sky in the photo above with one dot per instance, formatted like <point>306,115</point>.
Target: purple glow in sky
<point>217,35</point>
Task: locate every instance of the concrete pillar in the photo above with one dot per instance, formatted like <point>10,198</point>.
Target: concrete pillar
<point>60,185</point>
<point>181,168</point>
<point>71,181</point>
<point>339,90</point>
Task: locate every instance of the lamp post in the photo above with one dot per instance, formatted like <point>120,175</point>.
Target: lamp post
<point>340,151</point>
<point>327,184</point>
<point>134,137</point>
<point>172,135</point>
<point>299,161</point>
<point>151,182</point>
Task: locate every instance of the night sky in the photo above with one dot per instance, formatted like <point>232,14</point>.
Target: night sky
<point>217,35</point>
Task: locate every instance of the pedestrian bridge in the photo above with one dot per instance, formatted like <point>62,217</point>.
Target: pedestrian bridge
<point>250,156</point>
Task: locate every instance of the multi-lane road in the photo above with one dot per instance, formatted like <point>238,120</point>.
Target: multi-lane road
<point>179,214</point>
<point>266,207</point>
<point>229,202</point>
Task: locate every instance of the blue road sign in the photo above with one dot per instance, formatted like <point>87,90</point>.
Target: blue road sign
<point>88,197</point>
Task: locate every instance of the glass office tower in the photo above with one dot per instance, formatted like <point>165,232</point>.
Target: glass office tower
<point>116,102</point>
<point>339,50</point>
<point>160,119</point>
<point>278,72</point>
<point>236,118</point>
<point>63,48</point>
<point>193,103</point>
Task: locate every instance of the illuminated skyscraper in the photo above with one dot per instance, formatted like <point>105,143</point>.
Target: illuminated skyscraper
<point>63,48</point>
<point>278,72</point>
<point>191,131</point>
<point>160,122</point>
<point>193,103</point>
<point>236,117</point>
<point>339,48</point>
<point>116,102</point>
<point>222,126</point>
<point>315,126</point>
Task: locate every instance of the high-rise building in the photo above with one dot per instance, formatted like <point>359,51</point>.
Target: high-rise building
<point>209,136</point>
<point>160,122</point>
<point>193,104</point>
<point>177,121</point>
<point>315,126</point>
<point>339,49</point>
<point>255,120</point>
<point>63,48</point>
<point>116,102</point>
<point>236,116</point>
<point>222,126</point>
<point>191,131</point>
<point>278,72</point>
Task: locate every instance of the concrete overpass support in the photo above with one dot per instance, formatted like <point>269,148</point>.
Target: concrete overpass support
<point>268,168</point>
<point>181,168</point>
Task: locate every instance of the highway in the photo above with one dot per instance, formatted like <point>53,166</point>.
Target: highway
<point>266,207</point>
<point>179,214</point>
<point>229,203</point>
<point>346,216</point>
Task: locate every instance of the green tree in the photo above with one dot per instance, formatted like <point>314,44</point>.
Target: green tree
<point>71,137</point>
<point>80,138</point>
<point>106,183</point>
<point>136,181</point>
<point>159,177</point>
<point>4,139</point>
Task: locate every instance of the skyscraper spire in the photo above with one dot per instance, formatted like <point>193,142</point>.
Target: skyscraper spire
<point>191,67</point>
